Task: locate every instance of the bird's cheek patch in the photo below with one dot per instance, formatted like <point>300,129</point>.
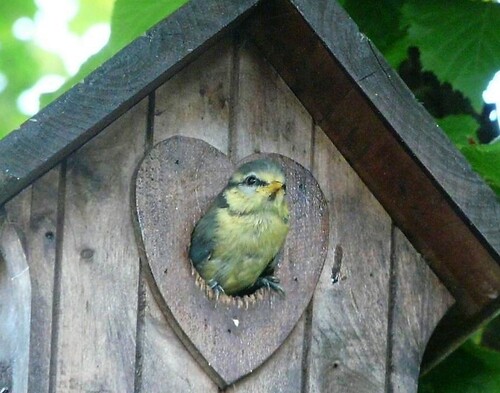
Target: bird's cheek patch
<point>164,219</point>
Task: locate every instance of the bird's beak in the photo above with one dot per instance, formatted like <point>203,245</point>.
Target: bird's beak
<point>275,186</point>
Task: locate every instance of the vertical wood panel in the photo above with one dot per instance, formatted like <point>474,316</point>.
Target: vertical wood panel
<point>269,118</point>
<point>420,301</point>
<point>349,325</point>
<point>97,305</point>
<point>15,308</point>
<point>167,366</point>
<point>41,248</point>
<point>194,103</point>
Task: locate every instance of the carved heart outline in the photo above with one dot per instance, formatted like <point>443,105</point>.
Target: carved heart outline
<point>175,183</point>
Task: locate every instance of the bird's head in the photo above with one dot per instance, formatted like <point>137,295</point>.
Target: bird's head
<point>257,186</point>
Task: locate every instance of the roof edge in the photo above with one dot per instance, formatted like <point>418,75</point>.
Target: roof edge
<point>122,81</point>
<point>474,200</point>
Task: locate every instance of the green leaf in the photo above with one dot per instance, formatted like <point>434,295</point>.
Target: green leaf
<point>485,160</point>
<point>470,369</point>
<point>461,129</point>
<point>398,51</point>
<point>379,20</point>
<point>459,41</point>
<point>19,63</point>
<point>131,18</point>
<point>91,12</point>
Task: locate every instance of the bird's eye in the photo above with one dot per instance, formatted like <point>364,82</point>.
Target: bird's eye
<point>250,180</point>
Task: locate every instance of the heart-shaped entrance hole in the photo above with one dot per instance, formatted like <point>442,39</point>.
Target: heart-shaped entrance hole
<point>175,184</point>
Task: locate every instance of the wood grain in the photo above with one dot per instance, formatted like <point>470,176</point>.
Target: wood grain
<point>410,122</point>
<point>419,302</point>
<point>350,309</point>
<point>15,309</point>
<point>112,89</point>
<point>391,142</point>
<point>34,215</point>
<point>267,117</point>
<point>166,363</point>
<point>222,335</point>
<point>195,102</point>
<point>41,243</point>
<point>97,305</point>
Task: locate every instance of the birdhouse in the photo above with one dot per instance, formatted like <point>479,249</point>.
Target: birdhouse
<point>390,230</point>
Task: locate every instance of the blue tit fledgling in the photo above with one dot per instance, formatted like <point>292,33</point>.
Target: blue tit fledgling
<point>234,246</point>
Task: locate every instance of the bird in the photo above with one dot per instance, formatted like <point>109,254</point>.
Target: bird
<point>235,245</point>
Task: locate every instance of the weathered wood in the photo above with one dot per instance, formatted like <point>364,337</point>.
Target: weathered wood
<point>192,102</point>
<point>419,301</point>
<point>82,112</point>
<point>165,358</point>
<point>377,301</point>
<point>222,335</point>
<point>195,102</point>
<point>19,212</point>
<point>281,372</point>
<point>410,122</point>
<point>266,116</point>
<point>350,308</point>
<point>390,141</point>
<point>15,298</point>
<point>41,241</point>
<point>97,302</point>
<point>333,69</point>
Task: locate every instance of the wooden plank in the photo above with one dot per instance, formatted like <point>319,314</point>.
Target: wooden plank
<point>281,372</point>
<point>99,269</point>
<point>15,308</point>
<point>166,364</point>
<point>108,92</point>
<point>195,103</point>
<point>34,214</point>
<point>350,309</point>
<point>41,243</point>
<point>267,117</point>
<point>19,212</point>
<point>384,146</point>
<point>419,302</point>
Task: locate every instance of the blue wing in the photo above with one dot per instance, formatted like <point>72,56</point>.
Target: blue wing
<point>203,236</point>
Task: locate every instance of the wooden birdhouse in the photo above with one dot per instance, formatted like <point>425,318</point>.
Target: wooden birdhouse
<point>100,191</point>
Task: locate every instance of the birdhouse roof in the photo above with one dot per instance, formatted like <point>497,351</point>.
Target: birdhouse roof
<point>450,215</point>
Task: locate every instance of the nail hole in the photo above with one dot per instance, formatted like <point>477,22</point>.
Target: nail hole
<point>87,253</point>
<point>49,236</point>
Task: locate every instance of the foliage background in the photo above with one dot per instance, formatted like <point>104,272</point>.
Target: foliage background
<point>446,51</point>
